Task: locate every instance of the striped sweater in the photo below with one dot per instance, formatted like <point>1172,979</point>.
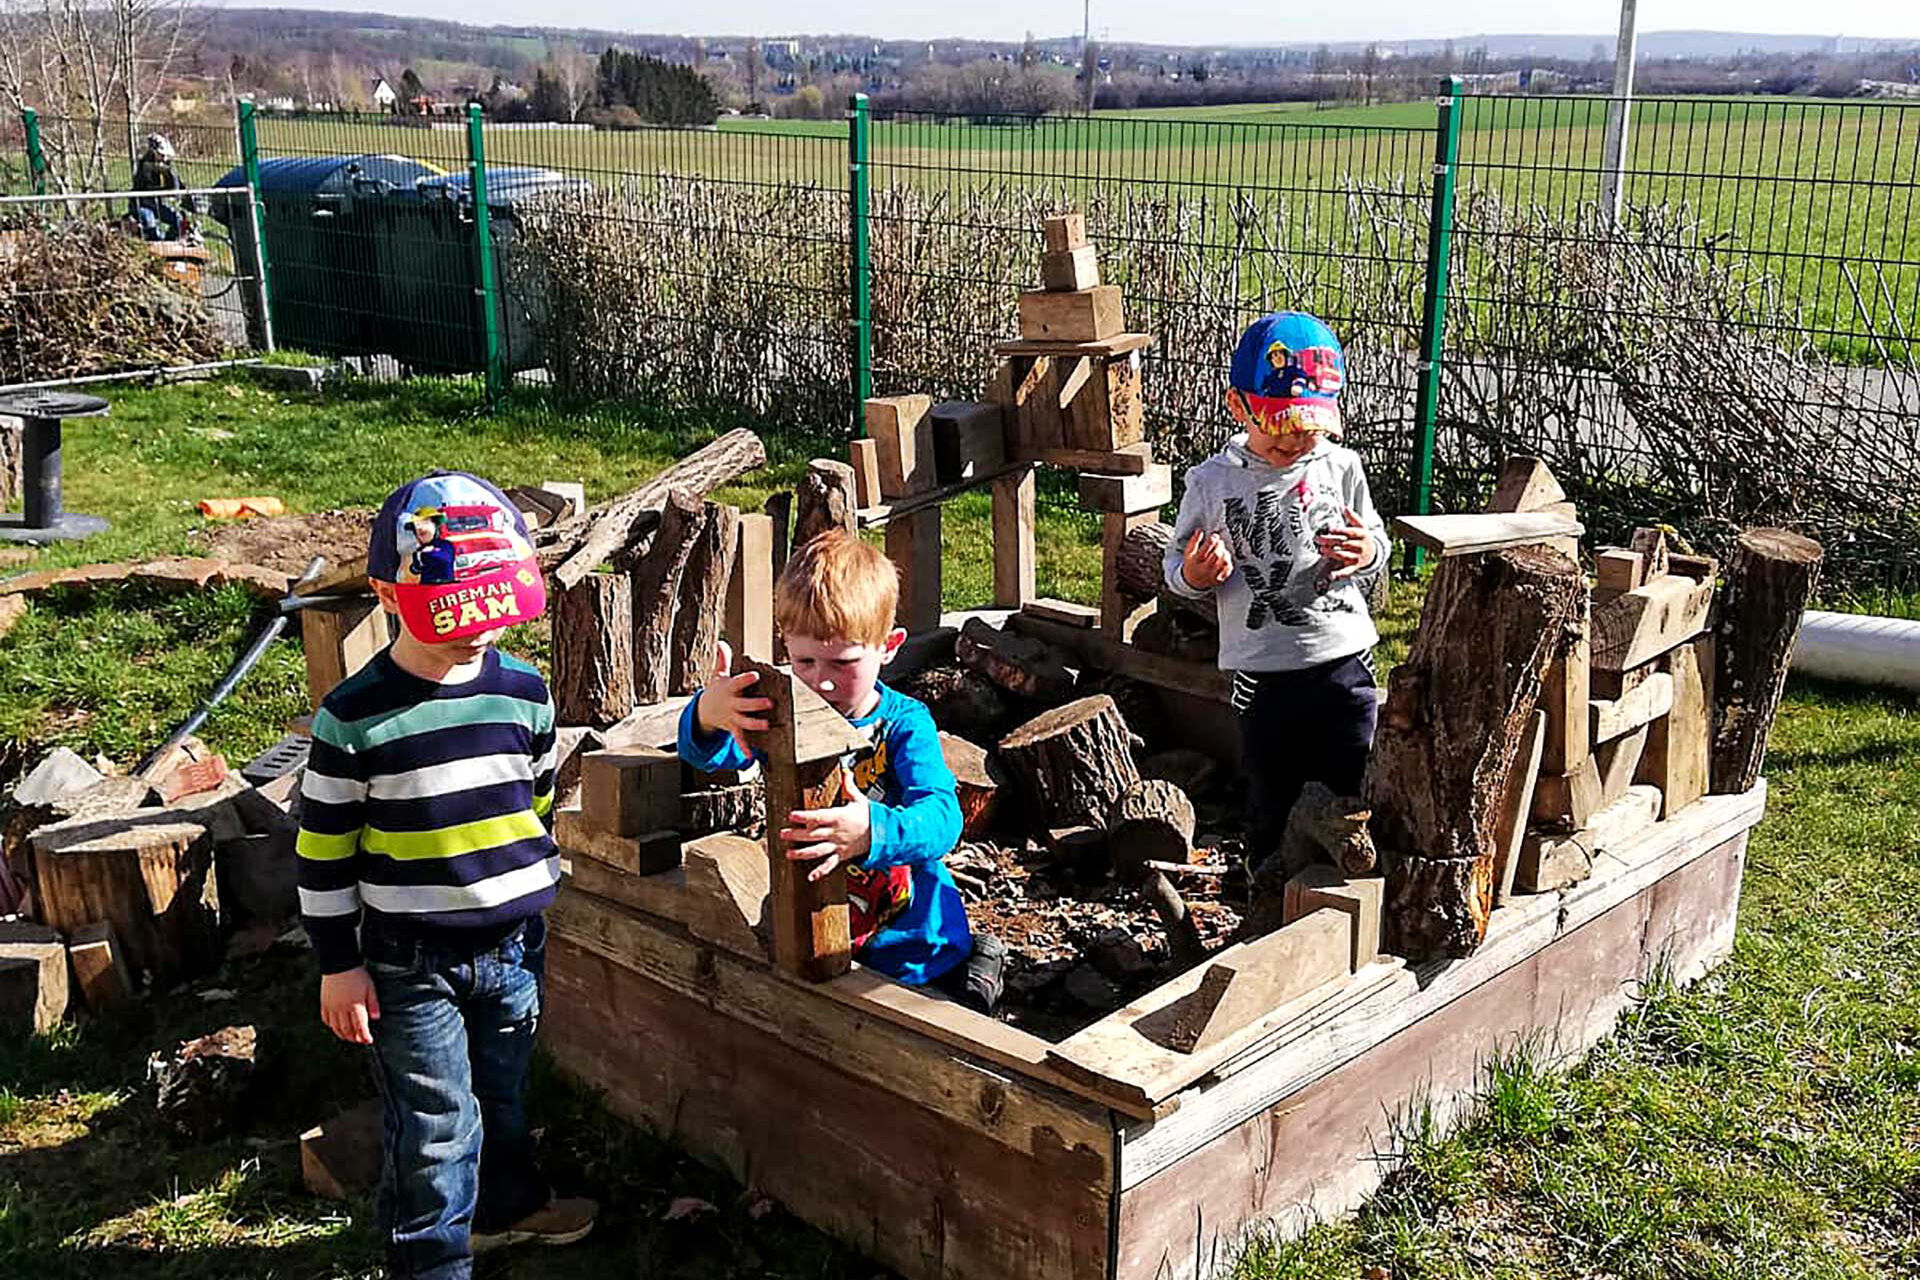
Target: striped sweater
<point>428,804</point>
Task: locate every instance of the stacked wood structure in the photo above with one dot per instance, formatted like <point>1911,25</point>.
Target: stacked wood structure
<point>1541,827</point>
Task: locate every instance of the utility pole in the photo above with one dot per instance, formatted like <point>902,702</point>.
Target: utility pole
<point>1616,157</point>
<point>1087,67</point>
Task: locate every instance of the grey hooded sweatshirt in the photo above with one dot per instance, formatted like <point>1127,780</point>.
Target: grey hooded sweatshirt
<point>1281,610</point>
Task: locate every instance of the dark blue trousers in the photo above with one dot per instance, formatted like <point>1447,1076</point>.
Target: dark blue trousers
<point>1315,724</point>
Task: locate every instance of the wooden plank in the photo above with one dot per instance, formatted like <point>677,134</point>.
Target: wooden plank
<point>969,441</point>
<point>872,517</point>
<point>1119,613</point>
<point>339,639</point>
<point>1643,704</point>
<point>1086,316</point>
<point>1253,978</point>
<point>1124,460</point>
<point>629,790</point>
<point>99,969</point>
<point>1618,761</point>
<point>1099,649</point>
<point>1069,270</point>
<point>1514,808</point>
<point>863,456</point>
<point>1549,862</point>
<point>1459,535</point>
<point>642,854</point>
<point>1073,375</point>
<point>1064,612</point>
<point>1127,495</point>
<point>913,544</point>
<point>903,434</point>
<point>1108,412</point>
<point>1119,344</point>
<point>1014,553</point>
<point>1362,898</point>
<point>1525,484</point>
<point>1679,744</point>
<point>1635,628</point>
<point>1064,232</point>
<point>1564,801</point>
<point>749,622</point>
<point>1564,696</point>
<point>663,895</point>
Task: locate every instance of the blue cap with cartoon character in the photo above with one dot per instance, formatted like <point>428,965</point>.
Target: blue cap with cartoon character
<point>1290,368</point>
<point>459,557</point>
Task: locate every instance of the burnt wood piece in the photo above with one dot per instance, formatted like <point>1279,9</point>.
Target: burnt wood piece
<point>1457,715</point>
<point>1152,821</point>
<point>1769,582</point>
<point>702,606</point>
<point>973,778</point>
<point>1335,826</point>
<point>593,651</point>
<point>803,745</point>
<point>1073,761</point>
<point>656,593</point>
<point>824,499</point>
<point>1019,664</point>
<point>735,806</point>
<point>582,545</point>
<point>1138,568</point>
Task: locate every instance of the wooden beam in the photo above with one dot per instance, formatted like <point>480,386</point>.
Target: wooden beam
<point>1564,696</point>
<point>1617,762</point>
<point>1515,805</point>
<point>1064,612</point>
<point>871,517</point>
<point>900,427</point>
<point>1253,978</point>
<point>1070,270</point>
<point>1064,232</point>
<point>1550,862</point>
<point>913,544</point>
<point>1086,316</point>
<point>749,623</point>
<point>1648,701</point>
<point>1123,460</point>
<point>630,790</point>
<point>1362,898</point>
<point>1616,571</point>
<point>646,854</point>
<point>1119,344</point>
<point>1014,563</point>
<point>99,968</point>
<point>1565,801</point>
<point>727,888</point>
<point>1635,628</point>
<point>863,456</point>
<point>1459,535</point>
<point>1525,484</point>
<point>1651,546</point>
<point>1127,495</point>
<point>969,441</point>
<point>1679,744</point>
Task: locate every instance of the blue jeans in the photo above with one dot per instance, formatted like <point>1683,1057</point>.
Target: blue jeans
<point>159,216</point>
<point>454,1041</point>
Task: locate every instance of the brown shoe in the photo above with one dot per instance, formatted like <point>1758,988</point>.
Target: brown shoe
<point>556,1222</point>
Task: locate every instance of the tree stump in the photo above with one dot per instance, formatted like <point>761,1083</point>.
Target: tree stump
<point>963,702</point>
<point>1768,585</point>
<point>1073,761</point>
<point>1458,713</point>
<point>824,499</point>
<point>656,591</point>
<point>593,651</point>
<point>702,603</point>
<point>153,882</point>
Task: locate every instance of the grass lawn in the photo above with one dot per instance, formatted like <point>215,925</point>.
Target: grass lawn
<point>1764,1124</point>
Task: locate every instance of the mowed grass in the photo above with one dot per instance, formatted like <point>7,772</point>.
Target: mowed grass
<point>1764,1124</point>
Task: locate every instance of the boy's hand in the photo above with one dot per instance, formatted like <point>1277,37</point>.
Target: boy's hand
<point>1207,562</point>
<point>724,703</point>
<point>348,1005</point>
<point>843,833</point>
<point>1348,546</point>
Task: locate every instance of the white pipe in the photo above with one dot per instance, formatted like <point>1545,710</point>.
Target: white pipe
<point>1859,648</point>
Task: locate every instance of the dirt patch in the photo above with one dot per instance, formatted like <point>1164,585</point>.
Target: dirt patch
<point>287,543</point>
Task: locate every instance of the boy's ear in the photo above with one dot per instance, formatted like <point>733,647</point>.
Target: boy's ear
<point>384,592</point>
<point>1237,408</point>
<point>891,645</point>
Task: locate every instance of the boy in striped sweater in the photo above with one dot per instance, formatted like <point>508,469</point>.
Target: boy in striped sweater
<point>425,862</point>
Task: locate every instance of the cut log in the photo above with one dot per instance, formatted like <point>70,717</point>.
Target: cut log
<point>1119,614</point>
<point>1525,484</point>
<point>1327,827</point>
<point>207,1085</point>
<point>702,603</point>
<point>824,499</point>
<point>1679,746</point>
<point>656,593</point>
<point>1460,535</point>
<point>1152,821</point>
<point>1175,633</point>
<point>593,651</point>
<point>1139,568</point>
<point>33,987</point>
<point>973,776</point>
<point>1254,978</point>
<point>779,509</point>
<point>1772,577</point>
<point>153,881</point>
<point>1457,715</point>
<point>1019,664</point>
<point>739,806</point>
<point>581,546</point>
<point>1633,629</point>
<point>899,425</point>
<point>99,969</point>
<point>1073,761</point>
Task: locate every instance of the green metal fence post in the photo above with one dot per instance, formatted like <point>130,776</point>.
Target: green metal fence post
<point>1433,310</point>
<point>859,192</point>
<point>36,158</point>
<point>485,289</point>
<point>256,212</point>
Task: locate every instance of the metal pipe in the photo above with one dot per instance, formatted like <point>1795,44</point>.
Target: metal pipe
<point>1858,648</point>
<point>56,197</point>
<point>209,367</point>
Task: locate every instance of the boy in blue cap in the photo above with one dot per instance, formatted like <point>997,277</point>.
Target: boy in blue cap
<point>425,863</point>
<point>1279,526</point>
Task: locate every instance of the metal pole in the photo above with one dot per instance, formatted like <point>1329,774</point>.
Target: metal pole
<point>36,158</point>
<point>496,377</point>
<point>859,155</point>
<point>1433,310</point>
<point>256,213</point>
<point>1614,161</point>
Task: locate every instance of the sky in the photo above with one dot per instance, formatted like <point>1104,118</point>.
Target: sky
<point>1181,22</point>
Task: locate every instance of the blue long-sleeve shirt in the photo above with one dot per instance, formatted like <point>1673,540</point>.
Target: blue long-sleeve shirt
<point>915,822</point>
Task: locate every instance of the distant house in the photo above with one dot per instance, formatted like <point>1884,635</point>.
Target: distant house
<point>383,94</point>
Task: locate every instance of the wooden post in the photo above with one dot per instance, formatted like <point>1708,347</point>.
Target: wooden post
<point>864,457</point>
<point>593,650</point>
<point>1768,585</point>
<point>702,599</point>
<point>913,544</point>
<point>340,639</point>
<point>1075,761</point>
<point>825,499</point>
<point>899,425</point>
<point>1679,744</point>
<point>749,625</point>
<point>656,590</point>
<point>779,509</point>
<point>1013,544</point>
<point>1119,615</point>
<point>803,746</point>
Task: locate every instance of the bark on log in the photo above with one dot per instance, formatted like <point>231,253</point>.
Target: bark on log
<point>973,778</point>
<point>656,590</point>
<point>1183,936</point>
<point>963,702</point>
<point>1323,823</point>
<point>1457,715</point>
<point>1772,576</point>
<point>1139,563</point>
<point>1074,761</point>
<point>153,881</point>
<point>581,545</point>
<point>1019,664</point>
<point>593,651</point>
<point>1152,821</point>
<point>736,807</point>
<point>824,499</point>
<point>700,604</point>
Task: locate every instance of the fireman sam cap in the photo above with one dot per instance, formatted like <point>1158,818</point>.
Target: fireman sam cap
<point>1290,369</point>
<point>458,555</point>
